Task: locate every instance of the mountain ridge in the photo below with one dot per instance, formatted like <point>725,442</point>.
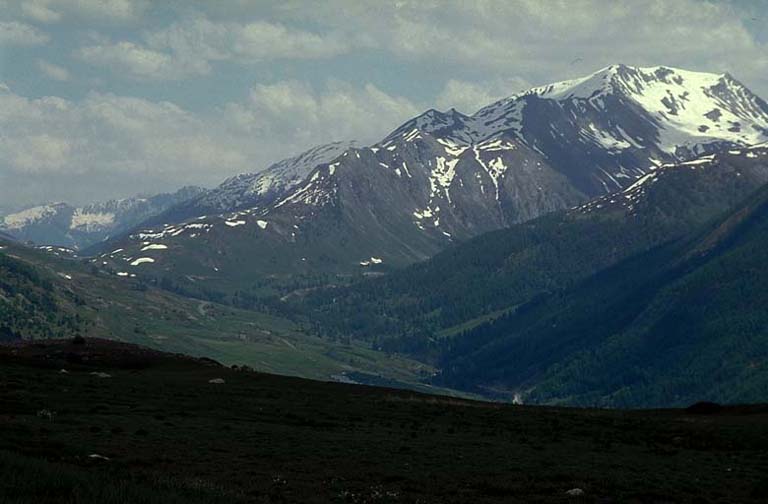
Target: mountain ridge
<point>678,321</point>
<point>502,269</point>
<point>61,224</point>
<point>446,177</point>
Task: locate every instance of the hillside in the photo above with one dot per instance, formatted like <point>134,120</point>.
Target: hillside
<point>45,295</point>
<point>500,270</point>
<point>152,428</point>
<point>680,321</point>
<point>32,306</point>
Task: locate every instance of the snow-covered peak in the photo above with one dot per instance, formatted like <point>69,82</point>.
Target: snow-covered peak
<point>626,79</point>
<point>452,125</point>
<point>87,221</point>
<point>583,87</point>
<point>31,216</point>
<point>61,224</point>
<point>689,108</point>
<point>284,174</point>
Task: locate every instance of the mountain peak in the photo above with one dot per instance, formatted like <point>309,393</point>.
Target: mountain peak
<point>682,110</point>
<point>450,124</point>
<point>621,78</point>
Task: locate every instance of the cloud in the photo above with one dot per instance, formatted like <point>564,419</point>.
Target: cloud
<point>448,53</point>
<point>107,145</point>
<point>540,41</point>
<point>249,42</point>
<point>188,48</point>
<point>552,40</point>
<point>105,132</point>
<point>468,97</point>
<point>40,12</point>
<point>141,62</point>
<point>15,33</point>
<point>296,114</point>
<point>52,71</point>
<point>52,11</point>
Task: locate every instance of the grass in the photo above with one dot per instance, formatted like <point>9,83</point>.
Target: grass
<point>471,324</point>
<point>171,436</point>
<point>120,309</point>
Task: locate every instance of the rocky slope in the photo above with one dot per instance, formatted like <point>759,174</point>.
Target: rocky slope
<point>446,177</point>
<point>494,272</point>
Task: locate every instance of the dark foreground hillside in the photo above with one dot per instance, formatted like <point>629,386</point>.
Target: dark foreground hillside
<point>152,428</point>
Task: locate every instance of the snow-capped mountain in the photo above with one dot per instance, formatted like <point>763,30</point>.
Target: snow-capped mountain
<point>443,177</point>
<point>606,129</point>
<point>254,190</point>
<point>79,227</point>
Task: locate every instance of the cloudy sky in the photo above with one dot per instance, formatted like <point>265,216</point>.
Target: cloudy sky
<point>107,98</point>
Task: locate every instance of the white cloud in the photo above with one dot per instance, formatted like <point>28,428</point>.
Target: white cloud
<point>110,9</point>
<point>468,97</point>
<point>52,71</point>
<point>552,40</point>
<point>39,11</point>
<point>20,34</point>
<point>249,42</point>
<point>188,47</point>
<point>295,114</point>
<point>107,133</point>
<point>107,145</point>
<point>141,62</point>
<point>51,11</point>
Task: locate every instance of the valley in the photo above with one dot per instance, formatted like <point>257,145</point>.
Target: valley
<point>464,255</point>
<point>90,303</point>
<point>383,252</point>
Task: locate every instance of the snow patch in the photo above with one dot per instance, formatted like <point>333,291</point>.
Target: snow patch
<point>91,221</point>
<point>154,246</point>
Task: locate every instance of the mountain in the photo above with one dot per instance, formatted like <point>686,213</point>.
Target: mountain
<point>494,272</point>
<point>80,227</point>
<point>253,190</point>
<point>605,129</point>
<point>680,321</point>
<point>447,177</point>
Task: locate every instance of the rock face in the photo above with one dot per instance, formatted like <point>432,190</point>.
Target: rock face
<point>445,177</point>
<point>490,273</point>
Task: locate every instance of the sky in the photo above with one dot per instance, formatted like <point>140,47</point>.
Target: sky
<point>102,99</point>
